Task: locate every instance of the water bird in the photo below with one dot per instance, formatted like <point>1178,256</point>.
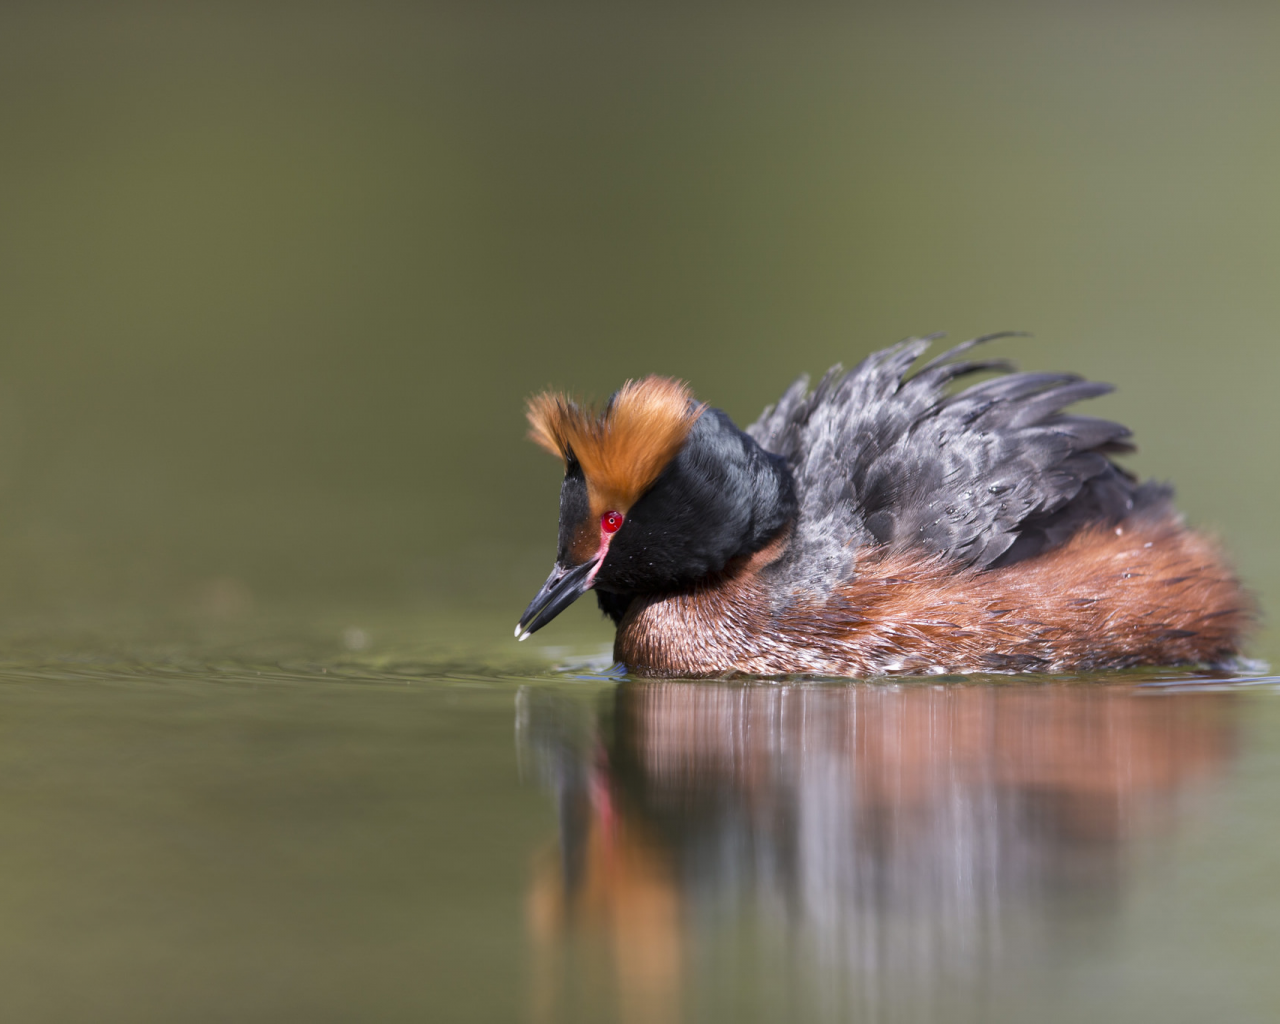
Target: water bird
<point>883,522</point>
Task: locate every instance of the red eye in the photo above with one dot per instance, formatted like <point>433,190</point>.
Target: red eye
<point>610,521</point>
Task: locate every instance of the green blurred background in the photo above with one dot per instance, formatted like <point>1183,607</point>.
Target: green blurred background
<point>276,279</point>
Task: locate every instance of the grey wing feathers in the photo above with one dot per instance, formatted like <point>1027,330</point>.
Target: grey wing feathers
<point>988,475</point>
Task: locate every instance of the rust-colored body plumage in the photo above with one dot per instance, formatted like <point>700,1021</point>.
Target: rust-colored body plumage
<point>1144,592</point>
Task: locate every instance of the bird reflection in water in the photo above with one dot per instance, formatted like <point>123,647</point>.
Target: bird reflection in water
<point>861,848</point>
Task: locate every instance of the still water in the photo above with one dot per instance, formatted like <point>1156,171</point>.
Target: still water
<point>312,821</point>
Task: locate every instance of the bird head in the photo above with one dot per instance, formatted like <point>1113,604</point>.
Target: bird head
<point>659,491</point>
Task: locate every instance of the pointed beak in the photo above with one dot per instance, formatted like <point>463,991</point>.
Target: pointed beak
<point>563,587</point>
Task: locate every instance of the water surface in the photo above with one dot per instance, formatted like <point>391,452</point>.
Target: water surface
<point>271,825</point>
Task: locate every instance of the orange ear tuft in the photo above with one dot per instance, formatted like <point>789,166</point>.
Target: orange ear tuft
<point>623,449</point>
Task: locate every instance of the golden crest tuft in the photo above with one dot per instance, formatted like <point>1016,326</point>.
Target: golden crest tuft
<point>624,448</point>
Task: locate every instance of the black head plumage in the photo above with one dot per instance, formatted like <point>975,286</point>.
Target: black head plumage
<point>720,498</point>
